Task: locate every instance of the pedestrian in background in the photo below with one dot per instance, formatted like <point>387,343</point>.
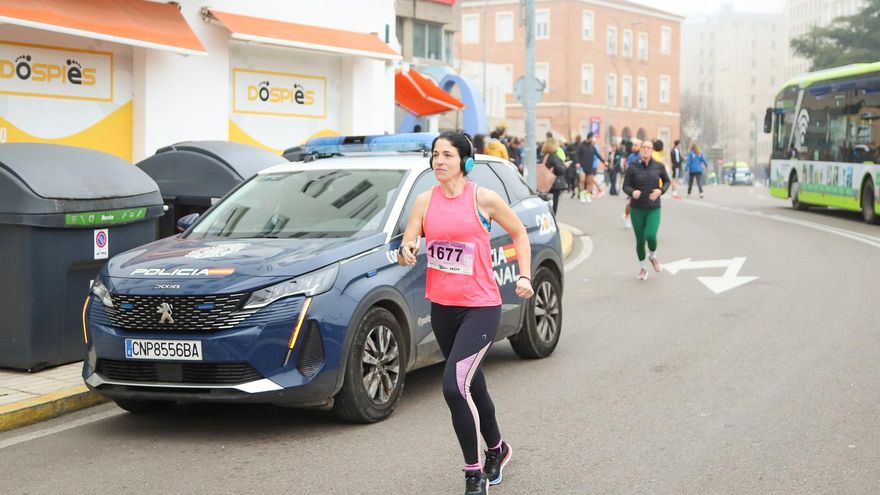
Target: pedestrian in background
<point>465,299</point>
<point>617,159</point>
<point>584,157</point>
<point>495,147</point>
<point>695,164</point>
<point>557,167</point>
<point>479,143</point>
<point>658,157</point>
<point>645,181</point>
<point>676,159</point>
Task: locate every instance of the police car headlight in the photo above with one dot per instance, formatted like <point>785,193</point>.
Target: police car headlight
<point>309,284</point>
<point>100,290</point>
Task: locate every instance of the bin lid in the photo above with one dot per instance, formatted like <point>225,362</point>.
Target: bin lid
<point>205,168</point>
<point>55,171</point>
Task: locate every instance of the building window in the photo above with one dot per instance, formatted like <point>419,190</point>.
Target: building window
<point>428,41</point>
<point>612,90</point>
<point>587,79</point>
<point>626,90</point>
<point>643,46</point>
<point>627,46</point>
<point>504,27</point>
<point>470,28</point>
<point>664,89</point>
<point>642,93</point>
<point>400,31</point>
<point>666,40</point>
<point>588,20</point>
<point>542,73</point>
<point>542,24</point>
<point>612,40</point>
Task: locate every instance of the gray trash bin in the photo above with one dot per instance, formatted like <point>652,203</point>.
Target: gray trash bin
<point>63,212</point>
<point>193,174</point>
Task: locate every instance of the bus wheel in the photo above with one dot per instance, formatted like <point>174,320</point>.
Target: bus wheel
<point>795,193</point>
<point>868,212</point>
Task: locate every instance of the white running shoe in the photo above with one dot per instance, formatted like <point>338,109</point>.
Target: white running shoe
<point>643,274</point>
<point>589,199</point>
<point>583,200</point>
<point>627,223</point>
<point>656,264</point>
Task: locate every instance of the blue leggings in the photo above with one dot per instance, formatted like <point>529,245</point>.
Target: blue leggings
<point>464,336</point>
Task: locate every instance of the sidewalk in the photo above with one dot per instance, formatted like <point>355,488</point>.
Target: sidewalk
<point>27,398</point>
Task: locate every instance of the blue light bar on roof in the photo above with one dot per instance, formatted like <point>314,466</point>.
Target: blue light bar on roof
<point>414,141</point>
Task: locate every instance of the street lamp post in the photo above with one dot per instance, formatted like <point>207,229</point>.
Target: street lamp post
<point>529,96</point>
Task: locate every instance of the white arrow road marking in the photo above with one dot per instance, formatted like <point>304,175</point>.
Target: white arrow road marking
<point>729,280</point>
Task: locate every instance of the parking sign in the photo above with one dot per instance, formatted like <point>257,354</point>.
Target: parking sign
<point>102,244</point>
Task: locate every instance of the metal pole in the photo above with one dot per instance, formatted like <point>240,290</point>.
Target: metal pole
<point>485,49</point>
<point>529,95</point>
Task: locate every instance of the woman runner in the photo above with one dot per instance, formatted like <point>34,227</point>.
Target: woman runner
<point>455,218</point>
<point>645,181</point>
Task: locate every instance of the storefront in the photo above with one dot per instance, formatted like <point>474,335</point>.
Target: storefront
<point>130,76</point>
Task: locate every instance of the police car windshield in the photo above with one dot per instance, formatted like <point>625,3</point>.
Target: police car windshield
<point>305,204</point>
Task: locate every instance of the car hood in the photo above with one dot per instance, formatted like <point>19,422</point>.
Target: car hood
<point>230,265</point>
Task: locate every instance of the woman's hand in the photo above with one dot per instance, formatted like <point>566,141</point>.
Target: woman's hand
<point>406,254</point>
<point>524,288</point>
<point>655,194</point>
<point>637,194</point>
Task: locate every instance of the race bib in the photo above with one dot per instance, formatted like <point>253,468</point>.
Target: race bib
<point>451,256</point>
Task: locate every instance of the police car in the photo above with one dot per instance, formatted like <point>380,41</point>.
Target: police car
<point>288,290</point>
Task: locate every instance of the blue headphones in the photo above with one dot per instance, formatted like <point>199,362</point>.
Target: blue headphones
<point>467,164</point>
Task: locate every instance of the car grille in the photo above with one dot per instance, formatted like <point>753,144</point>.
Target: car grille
<point>191,373</point>
<point>188,313</point>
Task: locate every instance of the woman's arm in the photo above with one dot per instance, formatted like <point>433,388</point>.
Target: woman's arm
<point>627,182</point>
<point>500,211</point>
<point>409,246</point>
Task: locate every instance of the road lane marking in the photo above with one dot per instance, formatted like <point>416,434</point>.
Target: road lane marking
<point>729,280</point>
<point>849,234</point>
<point>58,429</point>
<point>585,253</point>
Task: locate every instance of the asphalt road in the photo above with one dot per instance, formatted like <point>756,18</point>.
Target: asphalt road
<point>657,387</point>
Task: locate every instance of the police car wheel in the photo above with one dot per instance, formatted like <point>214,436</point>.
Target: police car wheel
<point>539,334</point>
<point>375,370</point>
<point>137,406</point>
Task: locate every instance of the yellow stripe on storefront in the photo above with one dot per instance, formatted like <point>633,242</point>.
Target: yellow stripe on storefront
<point>112,134</point>
<point>238,135</point>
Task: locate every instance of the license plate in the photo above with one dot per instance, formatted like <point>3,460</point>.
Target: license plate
<point>177,350</point>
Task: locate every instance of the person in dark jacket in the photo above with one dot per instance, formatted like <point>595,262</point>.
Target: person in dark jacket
<point>555,164</point>
<point>584,157</point>
<point>645,181</point>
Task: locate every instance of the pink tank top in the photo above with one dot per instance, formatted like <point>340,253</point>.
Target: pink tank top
<point>459,252</point>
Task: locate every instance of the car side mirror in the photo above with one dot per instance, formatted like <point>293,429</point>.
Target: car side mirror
<point>768,121</point>
<point>186,221</point>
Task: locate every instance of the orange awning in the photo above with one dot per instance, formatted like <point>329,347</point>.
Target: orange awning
<point>304,36</point>
<point>131,22</point>
<point>420,96</point>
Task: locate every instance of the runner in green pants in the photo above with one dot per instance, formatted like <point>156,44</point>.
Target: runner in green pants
<point>645,181</point>
<point>646,222</point>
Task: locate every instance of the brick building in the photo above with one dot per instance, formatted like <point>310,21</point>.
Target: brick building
<point>612,65</point>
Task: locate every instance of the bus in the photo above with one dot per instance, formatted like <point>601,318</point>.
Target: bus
<point>825,129</point>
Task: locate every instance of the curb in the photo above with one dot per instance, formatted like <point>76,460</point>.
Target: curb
<point>567,239</point>
<point>48,406</point>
